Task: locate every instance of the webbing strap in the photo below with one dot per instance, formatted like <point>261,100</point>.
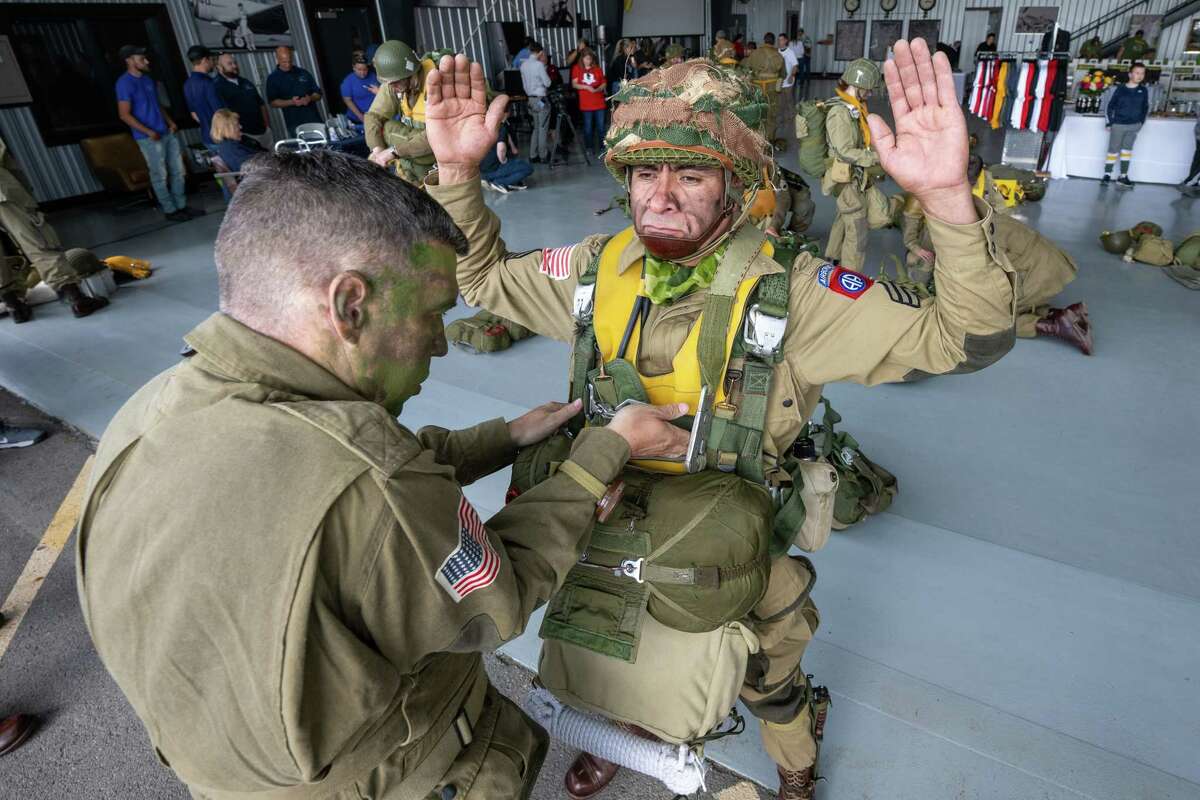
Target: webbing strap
<point>589,482</point>
<point>705,577</point>
<point>718,305</point>
<point>583,353</point>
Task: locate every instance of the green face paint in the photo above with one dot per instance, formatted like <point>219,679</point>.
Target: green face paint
<point>403,329</point>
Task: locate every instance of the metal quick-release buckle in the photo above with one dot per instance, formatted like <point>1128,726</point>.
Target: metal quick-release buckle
<point>581,308</point>
<point>631,568</point>
<point>763,333</point>
<point>598,408</point>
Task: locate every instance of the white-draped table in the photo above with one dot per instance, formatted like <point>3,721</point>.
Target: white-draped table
<point>1161,154</point>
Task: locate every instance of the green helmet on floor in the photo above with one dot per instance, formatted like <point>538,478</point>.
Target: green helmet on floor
<point>863,73</point>
<point>1116,242</point>
<point>395,61</point>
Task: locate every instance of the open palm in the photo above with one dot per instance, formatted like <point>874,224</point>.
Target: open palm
<point>462,128</point>
<point>928,151</point>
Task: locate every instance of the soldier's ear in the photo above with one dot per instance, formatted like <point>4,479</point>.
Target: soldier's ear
<point>348,293</point>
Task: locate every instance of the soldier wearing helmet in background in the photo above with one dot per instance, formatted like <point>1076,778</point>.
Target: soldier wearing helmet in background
<point>723,52</point>
<point>854,170</point>
<point>674,55</point>
<point>402,141</point>
<point>767,70</point>
<point>695,303</point>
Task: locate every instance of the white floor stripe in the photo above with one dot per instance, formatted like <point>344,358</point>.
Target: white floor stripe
<point>44,555</point>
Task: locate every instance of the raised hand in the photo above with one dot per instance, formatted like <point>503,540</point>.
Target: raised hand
<point>927,154</point>
<point>462,128</point>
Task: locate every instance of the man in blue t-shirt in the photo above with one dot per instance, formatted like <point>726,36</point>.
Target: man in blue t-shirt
<point>359,89</point>
<point>200,91</point>
<point>154,131</point>
<point>294,90</point>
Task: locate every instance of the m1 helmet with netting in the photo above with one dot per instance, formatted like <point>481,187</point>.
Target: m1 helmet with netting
<point>694,113</point>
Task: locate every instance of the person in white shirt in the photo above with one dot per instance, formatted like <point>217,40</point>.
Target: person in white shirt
<point>802,49</point>
<point>791,66</point>
<point>536,81</point>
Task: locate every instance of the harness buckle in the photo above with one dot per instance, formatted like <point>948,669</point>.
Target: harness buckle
<point>631,568</point>
<point>763,333</point>
<point>584,303</point>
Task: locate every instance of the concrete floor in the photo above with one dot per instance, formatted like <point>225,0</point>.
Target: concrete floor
<point>1022,622</point>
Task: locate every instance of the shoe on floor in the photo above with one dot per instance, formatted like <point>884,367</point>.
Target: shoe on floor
<point>12,438</point>
<point>1125,182</point>
<point>520,187</point>
<point>14,731</point>
<point>1106,180</point>
<point>588,775</point>
<point>1071,324</point>
<point>179,216</point>
<point>18,309</point>
<point>499,187</point>
<point>193,212</point>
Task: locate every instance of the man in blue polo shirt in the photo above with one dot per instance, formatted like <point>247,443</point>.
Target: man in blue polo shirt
<point>200,91</point>
<point>359,89</point>
<point>294,90</point>
<point>154,131</point>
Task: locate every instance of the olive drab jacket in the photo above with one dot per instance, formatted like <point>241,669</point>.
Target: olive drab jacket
<point>765,64</point>
<point>289,585</point>
<point>841,325</point>
<point>407,134</point>
<point>845,137</point>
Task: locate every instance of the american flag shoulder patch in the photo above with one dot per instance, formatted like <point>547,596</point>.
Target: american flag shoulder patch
<point>474,564</point>
<point>556,262</point>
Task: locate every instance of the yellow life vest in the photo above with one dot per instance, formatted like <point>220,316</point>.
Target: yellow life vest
<point>415,113</point>
<point>615,295</point>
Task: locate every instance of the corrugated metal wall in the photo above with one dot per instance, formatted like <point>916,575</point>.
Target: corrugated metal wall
<point>819,18</point>
<point>60,172</point>
<point>460,28</point>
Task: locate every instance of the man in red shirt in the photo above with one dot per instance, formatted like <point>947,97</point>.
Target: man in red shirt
<point>587,77</point>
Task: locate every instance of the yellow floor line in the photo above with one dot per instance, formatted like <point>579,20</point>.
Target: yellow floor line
<point>44,555</point>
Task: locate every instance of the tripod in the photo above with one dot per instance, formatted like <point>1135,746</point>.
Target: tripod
<point>563,116</point>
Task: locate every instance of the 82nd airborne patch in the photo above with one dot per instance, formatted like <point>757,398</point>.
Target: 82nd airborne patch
<point>845,282</point>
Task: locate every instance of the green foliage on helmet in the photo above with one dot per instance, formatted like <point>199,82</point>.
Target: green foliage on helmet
<point>691,113</point>
<point>1116,242</point>
<point>395,61</point>
<point>863,73</point>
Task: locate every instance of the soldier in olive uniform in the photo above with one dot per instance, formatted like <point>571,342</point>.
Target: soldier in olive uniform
<point>673,55</point>
<point>854,170</point>
<point>690,184</point>
<point>1135,48</point>
<point>1043,270</point>
<point>400,141</point>
<point>723,51</point>
<point>767,69</point>
<point>288,585</point>
<point>39,246</point>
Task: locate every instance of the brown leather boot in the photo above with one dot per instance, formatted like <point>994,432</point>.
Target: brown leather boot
<point>18,309</point>
<point>796,785</point>
<point>588,775</point>
<point>14,731</point>
<point>1070,324</point>
<point>81,304</point>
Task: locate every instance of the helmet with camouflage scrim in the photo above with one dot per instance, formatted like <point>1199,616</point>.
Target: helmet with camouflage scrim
<point>674,51</point>
<point>862,73</point>
<point>395,61</point>
<point>691,113</point>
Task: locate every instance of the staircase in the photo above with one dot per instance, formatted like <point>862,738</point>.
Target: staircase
<point>1177,14</point>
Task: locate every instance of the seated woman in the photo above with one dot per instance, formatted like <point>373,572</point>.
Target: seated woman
<point>233,148</point>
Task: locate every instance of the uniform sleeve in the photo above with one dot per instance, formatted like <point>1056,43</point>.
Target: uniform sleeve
<point>443,580</point>
<point>841,130</point>
<point>474,452</point>
<point>384,107</point>
<point>843,326</point>
<point>535,288</point>
<point>911,226</point>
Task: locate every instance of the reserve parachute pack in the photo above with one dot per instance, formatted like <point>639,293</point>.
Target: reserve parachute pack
<point>678,562</point>
<point>1186,269</point>
<point>864,488</point>
<point>485,333</point>
<point>1153,250</point>
<point>810,133</point>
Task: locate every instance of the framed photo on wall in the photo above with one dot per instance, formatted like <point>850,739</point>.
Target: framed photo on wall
<point>927,29</point>
<point>1036,19</point>
<point>884,34</point>
<point>851,38</point>
<point>241,24</point>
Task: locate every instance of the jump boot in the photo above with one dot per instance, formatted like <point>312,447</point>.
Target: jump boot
<point>81,304</point>
<point>18,309</point>
<point>1070,324</point>
<point>588,775</point>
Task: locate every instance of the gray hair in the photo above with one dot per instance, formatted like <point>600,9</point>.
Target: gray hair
<point>298,219</point>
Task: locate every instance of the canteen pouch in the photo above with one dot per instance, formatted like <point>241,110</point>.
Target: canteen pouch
<point>516,331</point>
<point>680,688</point>
<point>478,334</point>
<point>804,509</point>
<point>1154,250</point>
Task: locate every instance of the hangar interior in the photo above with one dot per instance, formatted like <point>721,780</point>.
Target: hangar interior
<point>1021,621</point>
